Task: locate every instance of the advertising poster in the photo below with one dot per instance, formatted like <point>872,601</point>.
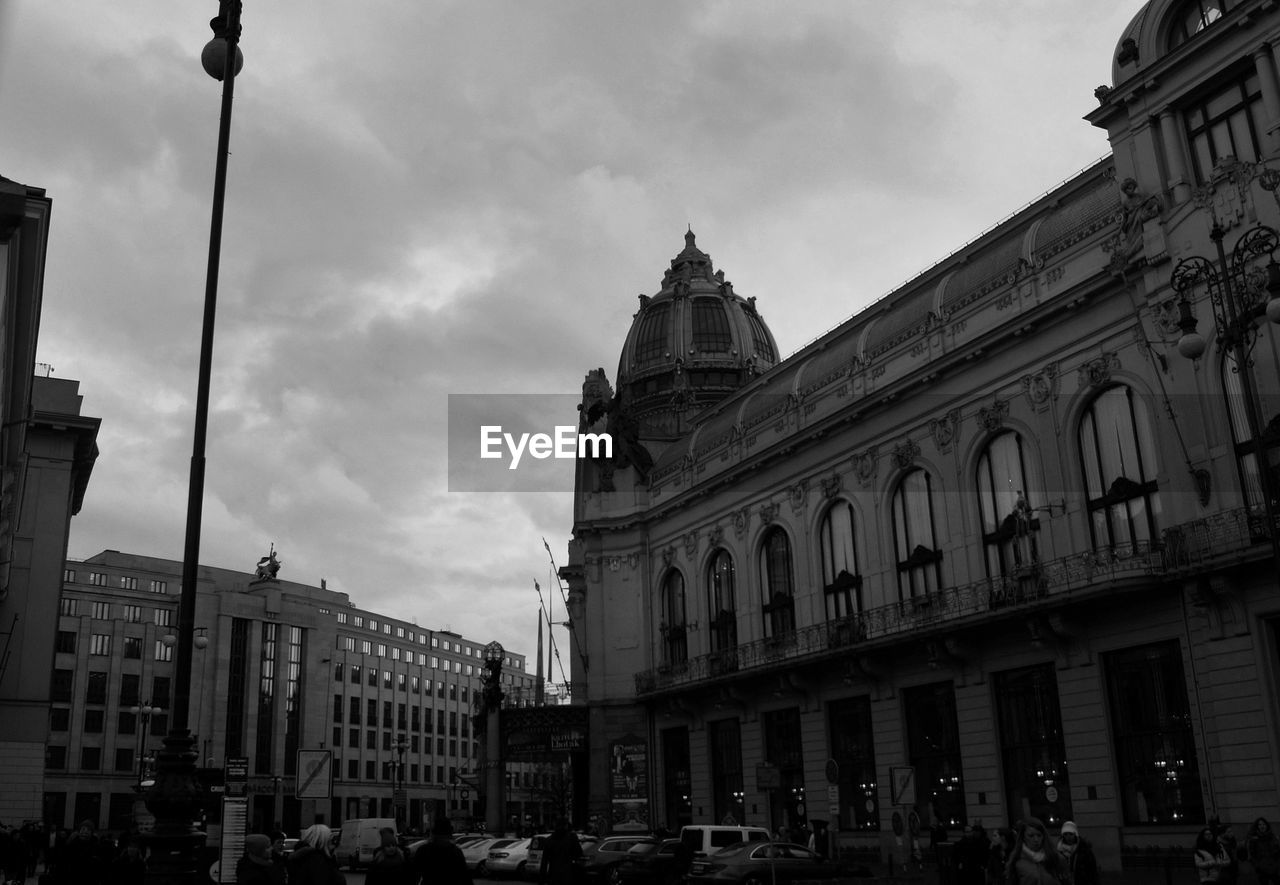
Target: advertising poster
<point>629,783</point>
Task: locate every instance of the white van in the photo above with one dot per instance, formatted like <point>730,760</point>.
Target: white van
<point>703,840</point>
<point>359,839</point>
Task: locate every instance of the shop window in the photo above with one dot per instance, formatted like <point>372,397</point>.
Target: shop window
<point>933,748</point>
<point>853,751</point>
<point>1032,751</point>
<point>1155,751</point>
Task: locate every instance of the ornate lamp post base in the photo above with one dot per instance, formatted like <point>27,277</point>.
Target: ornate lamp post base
<point>176,845</point>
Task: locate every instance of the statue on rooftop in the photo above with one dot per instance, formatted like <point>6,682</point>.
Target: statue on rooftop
<point>268,566</point>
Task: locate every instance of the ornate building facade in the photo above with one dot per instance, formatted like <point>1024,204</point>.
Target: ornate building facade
<point>1001,544</point>
<point>279,667</point>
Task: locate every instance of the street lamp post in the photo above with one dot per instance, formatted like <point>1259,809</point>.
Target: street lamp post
<point>177,843</point>
<point>401,800</point>
<point>1240,294</point>
<point>143,712</point>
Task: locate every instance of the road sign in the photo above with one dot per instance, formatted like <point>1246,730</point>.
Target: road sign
<point>902,784</point>
<point>315,774</point>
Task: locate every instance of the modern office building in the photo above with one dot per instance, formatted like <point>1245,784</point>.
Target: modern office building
<point>47,452</point>
<point>278,668</point>
<point>1001,544</point>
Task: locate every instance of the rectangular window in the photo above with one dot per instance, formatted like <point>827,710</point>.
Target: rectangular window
<point>128,583</point>
<point>355,674</point>
<point>96,690</point>
<point>386,714</point>
<point>386,740</point>
<point>933,747</point>
<point>400,632</point>
<point>66,642</point>
<point>1031,745</point>
<point>853,749</point>
<point>1225,123</point>
<point>59,719</point>
<point>132,613</point>
<point>337,740</point>
<point>353,737</point>
<point>100,644</point>
<point>353,769</point>
<point>395,653</point>
<point>372,680</point>
<point>337,708</point>
<point>373,625</point>
<point>60,688</point>
<point>90,758</point>
<point>101,611</point>
<point>386,628</point>
<point>366,647</point>
<point>386,679</point>
<point>130,689</point>
<point>382,650</point>
<point>159,587</point>
<point>69,576</point>
<point>342,617</point>
<point>93,721</point>
<point>1155,749</point>
<point>371,770</point>
<point>371,711</point>
<point>402,681</point>
<point>371,740</point>
<point>68,607</point>
<point>55,758</point>
<point>133,647</point>
<point>124,759</point>
<point>349,643</point>
<point>97,579</point>
<point>126,723</point>
<point>163,652</point>
<point>160,691</point>
<point>337,672</point>
<point>357,621</point>
<point>164,617</point>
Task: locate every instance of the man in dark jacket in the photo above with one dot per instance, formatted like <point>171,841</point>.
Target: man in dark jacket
<point>440,862</point>
<point>558,854</point>
<point>257,866</point>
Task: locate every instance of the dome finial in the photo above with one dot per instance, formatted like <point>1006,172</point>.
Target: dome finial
<point>688,238</point>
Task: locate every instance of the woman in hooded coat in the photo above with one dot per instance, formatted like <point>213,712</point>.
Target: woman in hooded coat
<point>1077,856</point>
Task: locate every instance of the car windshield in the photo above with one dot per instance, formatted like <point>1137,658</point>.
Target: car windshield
<point>642,848</point>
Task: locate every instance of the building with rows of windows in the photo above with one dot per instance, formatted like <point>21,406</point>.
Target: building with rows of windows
<point>278,667</point>
<point>996,546</point>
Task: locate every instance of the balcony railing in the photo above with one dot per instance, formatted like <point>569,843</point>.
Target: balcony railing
<point>1195,545</point>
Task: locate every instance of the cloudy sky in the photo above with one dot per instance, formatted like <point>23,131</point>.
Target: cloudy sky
<point>430,198</point>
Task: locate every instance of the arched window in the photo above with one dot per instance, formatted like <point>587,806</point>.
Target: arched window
<point>919,559</point>
<point>1118,451</point>
<point>841,577</point>
<point>711,332</point>
<point>1266,364</point>
<point>1194,17</point>
<point>675,643</point>
<point>1004,502</point>
<point>721,602</point>
<point>776,580</point>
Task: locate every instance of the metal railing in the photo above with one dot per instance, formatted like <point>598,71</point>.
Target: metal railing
<point>1186,548</point>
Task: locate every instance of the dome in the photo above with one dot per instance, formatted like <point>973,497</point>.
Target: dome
<point>690,345</point>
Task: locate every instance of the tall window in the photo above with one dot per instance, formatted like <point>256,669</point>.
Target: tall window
<point>237,683</point>
<point>1008,529</point>
<point>782,750</point>
<point>263,761</point>
<point>725,737</point>
<point>1225,123</point>
<point>919,559</point>
<point>1266,364</point>
<point>1118,449</point>
<point>675,642</point>
<point>711,326</point>
<point>1032,751</point>
<point>853,749</point>
<point>933,747</point>
<point>721,602</point>
<point>653,334</point>
<point>841,578</point>
<point>1155,748</point>
<point>779,589</point>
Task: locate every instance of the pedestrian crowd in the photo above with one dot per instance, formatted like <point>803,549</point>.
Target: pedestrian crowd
<point>85,857</point>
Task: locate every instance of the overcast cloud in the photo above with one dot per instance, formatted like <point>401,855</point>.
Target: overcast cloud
<point>431,198</point>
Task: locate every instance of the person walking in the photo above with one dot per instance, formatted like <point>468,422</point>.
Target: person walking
<point>1032,861</point>
<point>129,867</point>
<point>79,861</point>
<point>558,854</point>
<point>972,852</point>
<point>313,862</point>
<point>389,865</point>
<point>258,865</point>
<point>1210,857</point>
<point>1077,856</point>
<point>439,861</point>
<point>1263,850</point>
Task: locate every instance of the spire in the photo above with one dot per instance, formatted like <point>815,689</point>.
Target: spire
<point>538,697</point>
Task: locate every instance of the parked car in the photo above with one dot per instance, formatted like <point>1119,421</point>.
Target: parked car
<point>509,860</point>
<point>476,854</point>
<point>359,838</point>
<point>756,863</point>
<point>600,858</point>
<point>653,862</point>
